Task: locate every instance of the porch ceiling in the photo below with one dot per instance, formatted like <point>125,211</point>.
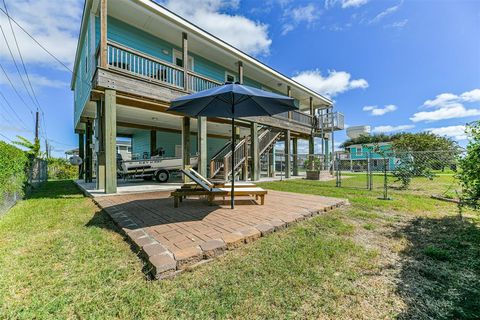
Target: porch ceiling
<point>149,118</point>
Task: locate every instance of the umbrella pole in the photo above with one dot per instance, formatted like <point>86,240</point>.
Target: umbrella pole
<point>232,197</point>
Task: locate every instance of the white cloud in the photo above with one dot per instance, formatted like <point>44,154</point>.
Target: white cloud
<point>397,24</point>
<point>449,106</point>
<point>345,3</point>
<point>38,81</point>
<point>458,111</point>
<point>303,14</point>
<point>388,128</point>
<point>385,13</point>
<point>53,23</point>
<point>455,132</point>
<point>241,32</point>
<point>336,82</point>
<point>376,111</point>
<point>471,96</point>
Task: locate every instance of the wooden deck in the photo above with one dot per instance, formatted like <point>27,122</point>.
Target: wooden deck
<point>173,239</point>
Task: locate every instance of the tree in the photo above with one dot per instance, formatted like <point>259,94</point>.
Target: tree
<point>367,139</point>
<point>33,148</point>
<point>421,141</point>
<point>469,168</point>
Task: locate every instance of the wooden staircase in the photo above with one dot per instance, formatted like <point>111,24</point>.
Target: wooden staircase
<point>221,163</point>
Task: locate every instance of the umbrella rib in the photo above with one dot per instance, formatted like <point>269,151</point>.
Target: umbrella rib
<point>208,104</point>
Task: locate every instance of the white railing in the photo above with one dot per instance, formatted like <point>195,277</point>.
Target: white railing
<point>302,118</point>
<point>197,83</point>
<point>139,64</point>
<point>331,121</point>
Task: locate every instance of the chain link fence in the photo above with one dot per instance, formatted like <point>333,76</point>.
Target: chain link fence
<point>378,171</point>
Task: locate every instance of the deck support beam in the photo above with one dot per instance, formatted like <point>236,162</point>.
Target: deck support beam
<point>185,144</point>
<point>202,145</point>
<point>88,151</point>
<point>295,156</point>
<point>100,135</point>
<point>81,153</point>
<point>110,141</point>
<point>287,153</point>
<point>185,60</point>
<point>153,142</point>
<point>103,34</point>
<point>271,163</point>
<point>254,152</point>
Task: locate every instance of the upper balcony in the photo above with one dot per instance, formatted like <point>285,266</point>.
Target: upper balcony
<point>138,65</point>
<point>330,121</point>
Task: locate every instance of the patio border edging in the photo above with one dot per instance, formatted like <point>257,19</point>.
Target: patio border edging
<point>164,264</point>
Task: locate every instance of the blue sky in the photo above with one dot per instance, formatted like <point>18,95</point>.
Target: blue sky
<point>393,65</point>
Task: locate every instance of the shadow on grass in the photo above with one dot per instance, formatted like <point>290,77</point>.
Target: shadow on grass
<point>57,189</point>
<point>440,271</point>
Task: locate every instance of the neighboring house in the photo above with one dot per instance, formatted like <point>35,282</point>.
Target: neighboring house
<point>378,153</point>
<point>135,56</point>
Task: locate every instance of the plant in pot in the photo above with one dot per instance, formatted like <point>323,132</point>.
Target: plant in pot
<point>313,165</point>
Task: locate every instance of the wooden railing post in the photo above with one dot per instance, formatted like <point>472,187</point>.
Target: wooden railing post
<point>289,93</point>
<point>103,34</point>
<point>185,60</point>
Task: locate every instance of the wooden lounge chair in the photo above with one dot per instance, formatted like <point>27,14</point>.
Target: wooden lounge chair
<point>214,184</point>
<point>207,189</point>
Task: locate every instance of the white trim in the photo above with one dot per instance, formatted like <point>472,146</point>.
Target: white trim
<point>229,73</point>
<point>179,54</point>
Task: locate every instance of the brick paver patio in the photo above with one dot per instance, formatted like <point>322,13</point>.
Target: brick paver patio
<point>173,239</point>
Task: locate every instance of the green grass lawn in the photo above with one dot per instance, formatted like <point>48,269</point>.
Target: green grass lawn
<point>60,257</point>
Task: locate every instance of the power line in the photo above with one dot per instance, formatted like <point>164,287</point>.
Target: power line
<point>14,89</point>
<point>16,66</point>
<point>1,134</point>
<point>39,44</point>
<point>21,57</point>
<point>13,110</point>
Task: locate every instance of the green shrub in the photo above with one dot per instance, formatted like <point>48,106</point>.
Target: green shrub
<point>469,168</point>
<point>61,169</point>
<point>12,169</point>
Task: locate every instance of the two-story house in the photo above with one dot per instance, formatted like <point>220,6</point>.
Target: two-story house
<point>380,155</point>
<point>135,56</point>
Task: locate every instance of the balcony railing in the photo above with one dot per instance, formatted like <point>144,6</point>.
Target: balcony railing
<point>331,121</point>
<point>139,64</point>
<point>152,69</point>
<point>297,116</point>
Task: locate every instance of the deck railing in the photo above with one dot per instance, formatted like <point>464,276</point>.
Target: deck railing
<point>150,68</point>
<point>331,121</point>
<point>196,82</point>
<point>139,64</point>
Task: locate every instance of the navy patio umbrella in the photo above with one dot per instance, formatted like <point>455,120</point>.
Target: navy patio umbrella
<point>232,100</point>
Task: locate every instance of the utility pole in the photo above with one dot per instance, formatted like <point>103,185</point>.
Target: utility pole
<point>47,149</point>
<point>36,125</point>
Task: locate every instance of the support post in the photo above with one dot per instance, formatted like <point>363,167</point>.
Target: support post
<point>295,156</point>
<point>185,60</point>
<point>100,135</point>
<point>88,151</point>
<point>110,136</point>
<point>185,144</point>
<point>81,154</point>
<point>287,153</point>
<point>289,93</point>
<point>240,72</point>
<point>103,34</point>
<point>153,142</point>
<point>311,151</point>
<point>202,145</point>
<point>271,163</point>
<point>254,152</point>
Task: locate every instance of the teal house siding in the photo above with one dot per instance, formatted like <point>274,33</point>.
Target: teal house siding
<point>84,74</point>
<point>168,141</point>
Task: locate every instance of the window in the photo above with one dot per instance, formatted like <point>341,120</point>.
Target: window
<point>230,77</point>
<point>359,151</point>
<point>178,60</point>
